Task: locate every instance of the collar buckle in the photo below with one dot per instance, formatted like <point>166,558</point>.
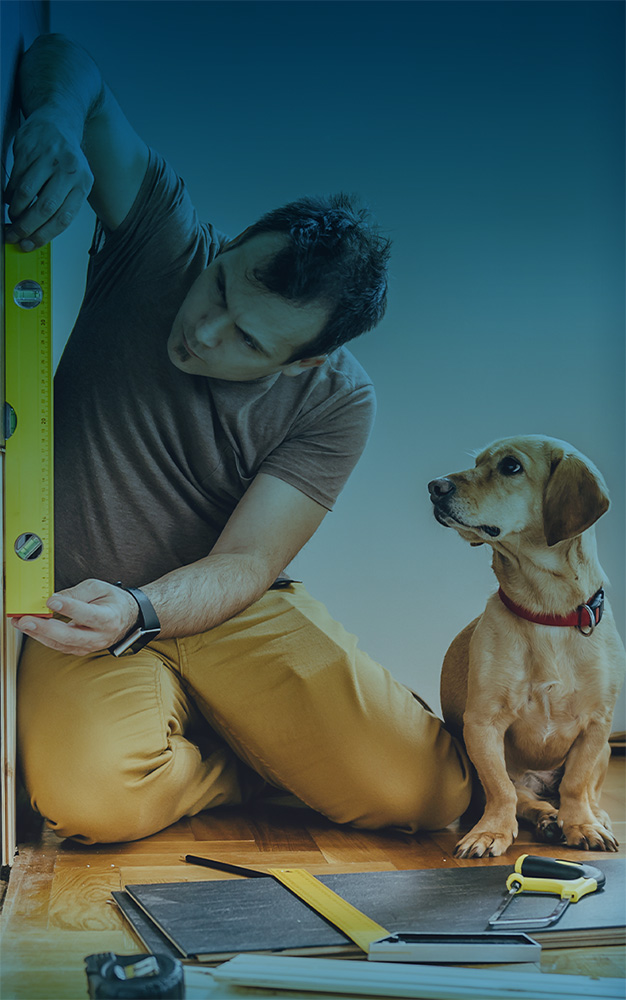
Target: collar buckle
<point>594,610</point>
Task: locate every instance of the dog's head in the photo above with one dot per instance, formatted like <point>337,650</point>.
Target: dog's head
<point>531,484</point>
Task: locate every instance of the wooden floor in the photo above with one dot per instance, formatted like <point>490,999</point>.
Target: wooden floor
<point>58,910</point>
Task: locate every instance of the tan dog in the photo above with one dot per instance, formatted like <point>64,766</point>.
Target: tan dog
<point>528,692</point>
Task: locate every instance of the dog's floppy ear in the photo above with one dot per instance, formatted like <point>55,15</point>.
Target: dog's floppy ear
<point>575,497</point>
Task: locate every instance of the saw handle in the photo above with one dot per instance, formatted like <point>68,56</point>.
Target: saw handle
<point>533,866</point>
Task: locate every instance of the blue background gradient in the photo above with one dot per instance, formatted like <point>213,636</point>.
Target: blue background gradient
<point>488,140</point>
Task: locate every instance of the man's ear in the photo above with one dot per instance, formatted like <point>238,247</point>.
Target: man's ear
<point>297,367</point>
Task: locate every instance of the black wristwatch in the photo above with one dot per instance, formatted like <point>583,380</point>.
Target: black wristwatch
<point>147,628</point>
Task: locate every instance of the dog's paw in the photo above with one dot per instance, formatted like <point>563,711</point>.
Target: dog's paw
<point>589,837</point>
<point>602,818</point>
<point>548,830</point>
<point>480,843</point>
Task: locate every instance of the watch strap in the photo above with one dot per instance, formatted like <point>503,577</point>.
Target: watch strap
<point>148,618</point>
<point>147,628</point>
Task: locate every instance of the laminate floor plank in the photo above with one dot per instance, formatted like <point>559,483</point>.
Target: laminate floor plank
<point>28,897</point>
<point>79,899</point>
<point>596,962</point>
<point>282,830</point>
<point>402,850</point>
<point>177,831</point>
<point>149,845</point>
<point>222,824</point>
<point>50,966</point>
<point>122,858</point>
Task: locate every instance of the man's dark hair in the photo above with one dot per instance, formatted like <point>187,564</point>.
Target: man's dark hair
<point>335,256</point>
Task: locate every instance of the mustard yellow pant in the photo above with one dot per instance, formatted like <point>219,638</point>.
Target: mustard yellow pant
<point>116,749</point>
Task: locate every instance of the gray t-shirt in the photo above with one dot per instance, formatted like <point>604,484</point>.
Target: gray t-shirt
<point>150,461</point>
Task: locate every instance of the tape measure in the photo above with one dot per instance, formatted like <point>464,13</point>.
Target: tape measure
<point>134,977</point>
<point>28,518</point>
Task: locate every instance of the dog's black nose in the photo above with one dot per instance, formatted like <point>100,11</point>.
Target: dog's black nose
<point>439,488</point>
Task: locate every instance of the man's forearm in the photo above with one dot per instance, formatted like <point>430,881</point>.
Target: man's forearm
<point>57,74</point>
<point>270,525</point>
<point>198,597</point>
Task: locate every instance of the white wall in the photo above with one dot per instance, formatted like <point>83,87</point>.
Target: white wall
<point>487,139</point>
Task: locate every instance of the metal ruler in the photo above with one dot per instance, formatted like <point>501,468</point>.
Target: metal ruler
<point>354,924</point>
<point>28,470</point>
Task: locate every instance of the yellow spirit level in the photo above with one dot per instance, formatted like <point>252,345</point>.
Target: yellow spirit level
<point>28,470</point>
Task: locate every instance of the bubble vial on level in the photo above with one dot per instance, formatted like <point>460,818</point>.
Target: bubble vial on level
<point>27,294</point>
<point>10,420</point>
<point>28,546</point>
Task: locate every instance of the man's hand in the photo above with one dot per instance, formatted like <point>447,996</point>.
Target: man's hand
<point>75,144</point>
<point>50,180</point>
<point>100,615</point>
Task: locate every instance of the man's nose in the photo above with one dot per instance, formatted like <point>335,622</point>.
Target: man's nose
<point>439,488</point>
<point>210,332</point>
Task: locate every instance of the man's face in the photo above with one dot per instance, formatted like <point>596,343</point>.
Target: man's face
<point>231,328</point>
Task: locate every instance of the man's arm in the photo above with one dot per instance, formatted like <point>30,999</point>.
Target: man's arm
<point>75,143</point>
<point>269,526</point>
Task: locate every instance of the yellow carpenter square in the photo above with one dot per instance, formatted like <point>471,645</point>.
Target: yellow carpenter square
<point>328,904</point>
<point>28,520</point>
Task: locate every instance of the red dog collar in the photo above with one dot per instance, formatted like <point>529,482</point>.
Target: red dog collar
<point>584,618</point>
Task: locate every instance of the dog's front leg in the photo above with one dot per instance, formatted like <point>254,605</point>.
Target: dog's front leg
<point>495,831</point>
<point>584,824</point>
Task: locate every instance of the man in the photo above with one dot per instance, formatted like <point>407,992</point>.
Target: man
<point>206,418</point>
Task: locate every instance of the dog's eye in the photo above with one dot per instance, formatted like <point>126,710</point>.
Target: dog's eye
<point>510,466</point>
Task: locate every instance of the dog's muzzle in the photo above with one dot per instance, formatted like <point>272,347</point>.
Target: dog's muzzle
<point>441,491</point>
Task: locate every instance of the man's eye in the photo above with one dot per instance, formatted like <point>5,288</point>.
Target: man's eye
<point>221,289</point>
<point>248,341</point>
<point>510,466</point>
